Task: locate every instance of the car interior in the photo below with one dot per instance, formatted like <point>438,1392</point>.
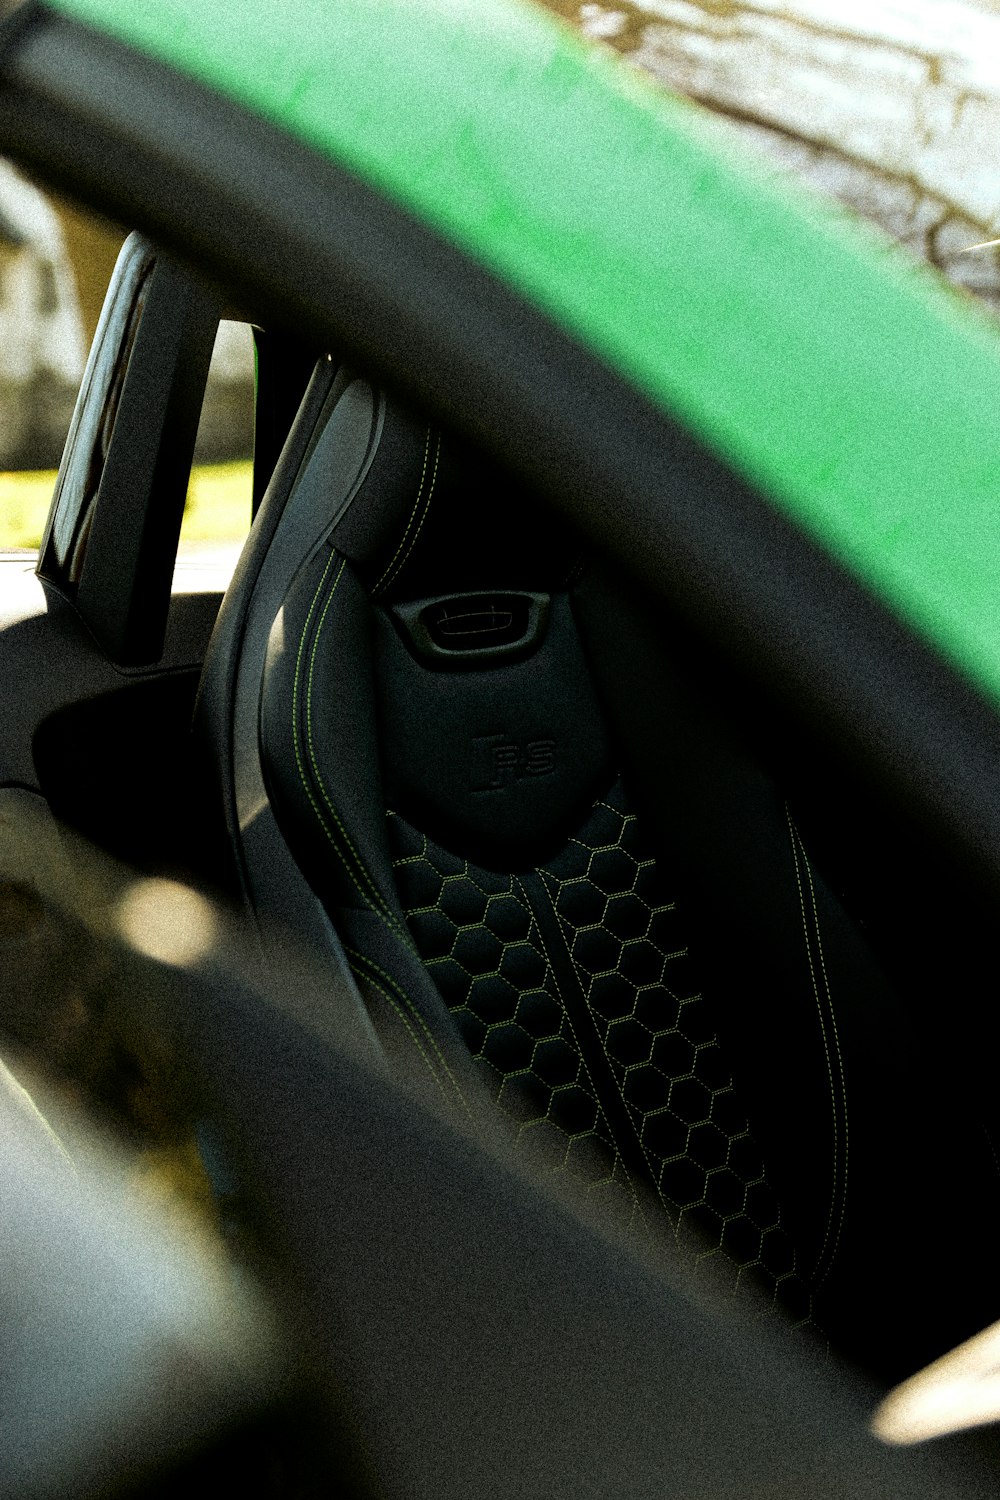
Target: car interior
<point>589,893</point>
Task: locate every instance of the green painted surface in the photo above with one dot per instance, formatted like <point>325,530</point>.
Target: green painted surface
<point>859,395</point>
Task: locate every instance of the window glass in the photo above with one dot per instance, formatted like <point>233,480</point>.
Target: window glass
<point>55,263</point>
<point>217,512</point>
<point>93,424</point>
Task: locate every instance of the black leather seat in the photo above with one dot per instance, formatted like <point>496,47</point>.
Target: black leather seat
<point>523,813</point>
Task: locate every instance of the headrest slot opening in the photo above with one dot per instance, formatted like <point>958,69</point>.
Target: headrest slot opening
<point>472,630</point>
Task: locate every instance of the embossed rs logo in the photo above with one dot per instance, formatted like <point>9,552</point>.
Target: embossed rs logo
<point>497,761</point>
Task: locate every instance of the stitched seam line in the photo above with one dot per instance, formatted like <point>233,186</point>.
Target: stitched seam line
<point>295,727</point>
<point>839,1062</point>
<point>370,963</point>
<point>835,1190</point>
<point>675,1224</point>
<point>409,520</point>
<point>409,1030</point>
<point>993,1152</point>
<point>377,905</point>
<point>423,518</point>
<point>398,562</point>
<point>826,1045</point>
<point>295,732</point>
<point>526,901</point>
<point>364,959</point>
<point>838,1054</point>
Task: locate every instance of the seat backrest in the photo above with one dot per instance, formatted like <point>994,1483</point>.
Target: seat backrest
<point>560,883</point>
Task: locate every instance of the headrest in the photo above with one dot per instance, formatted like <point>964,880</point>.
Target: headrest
<point>430,516</point>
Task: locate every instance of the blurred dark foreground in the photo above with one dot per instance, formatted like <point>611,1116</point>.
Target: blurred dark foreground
<point>234,1252</point>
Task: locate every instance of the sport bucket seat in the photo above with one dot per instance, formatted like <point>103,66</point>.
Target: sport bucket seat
<point>517,804</point>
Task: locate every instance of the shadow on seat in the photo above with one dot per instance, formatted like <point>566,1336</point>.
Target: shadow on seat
<point>520,810</point>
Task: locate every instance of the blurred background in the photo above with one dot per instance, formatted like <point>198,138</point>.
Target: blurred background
<point>56,261</point>
<point>889,107</point>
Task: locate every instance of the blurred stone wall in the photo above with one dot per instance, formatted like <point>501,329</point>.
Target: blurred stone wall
<point>891,106</point>
<point>55,264</point>
<point>42,344</point>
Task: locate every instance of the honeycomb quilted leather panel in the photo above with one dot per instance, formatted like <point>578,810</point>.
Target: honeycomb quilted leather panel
<point>630,993</point>
<point>477,934</point>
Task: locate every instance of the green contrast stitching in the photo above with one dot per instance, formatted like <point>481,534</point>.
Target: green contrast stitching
<point>840,1059</point>
<point>295,727</point>
<point>618,1160</point>
<point>378,906</point>
<point>660,1165</point>
<point>545,877</point>
<point>379,902</point>
<point>367,978</point>
<point>472,973</point>
<point>363,959</point>
<point>409,520</point>
<point>395,568</point>
<point>839,1188</point>
<point>460,970</point>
